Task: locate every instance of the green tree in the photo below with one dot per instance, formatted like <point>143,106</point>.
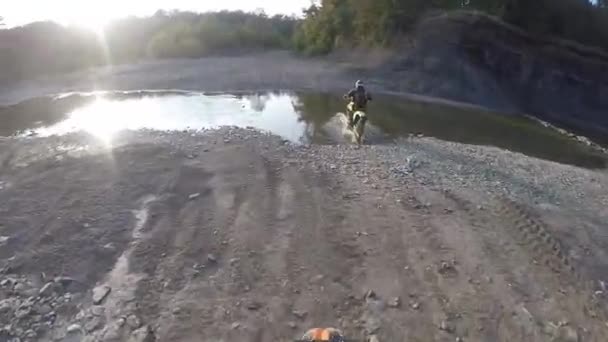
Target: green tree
<point>339,23</point>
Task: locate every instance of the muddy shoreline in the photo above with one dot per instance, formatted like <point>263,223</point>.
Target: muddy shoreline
<point>237,235</point>
<point>271,71</point>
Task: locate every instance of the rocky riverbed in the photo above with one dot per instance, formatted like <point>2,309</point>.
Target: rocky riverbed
<point>237,235</point>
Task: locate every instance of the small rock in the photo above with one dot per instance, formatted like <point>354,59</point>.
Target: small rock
<point>19,288</point>
<point>445,326</point>
<point>93,323</point>
<point>133,322</point>
<point>370,294</point>
<point>373,338</point>
<point>415,305</point>
<point>254,306</point>
<point>235,325</point>
<point>211,258</point>
<point>143,334</point>
<point>29,334</point>
<point>100,293</point>
<point>234,261</point>
<point>24,310</point>
<point>9,304</point>
<point>292,325</point>
<point>98,310</point>
<point>318,278</point>
<point>121,322</point>
<point>395,302</point>
<point>447,268</point>
<point>47,289</point>
<point>333,167</point>
<point>194,196</point>
<point>176,311</point>
<point>43,309</point>
<point>109,246</point>
<point>568,334</point>
<point>4,239</point>
<point>64,281</point>
<point>74,328</point>
<point>300,314</point>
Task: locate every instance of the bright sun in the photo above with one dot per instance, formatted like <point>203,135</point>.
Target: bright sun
<point>95,24</point>
<point>82,14</point>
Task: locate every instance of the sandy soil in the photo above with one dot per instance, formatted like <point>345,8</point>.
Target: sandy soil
<point>233,235</point>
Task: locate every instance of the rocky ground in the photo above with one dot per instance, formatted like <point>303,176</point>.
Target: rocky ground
<point>234,235</point>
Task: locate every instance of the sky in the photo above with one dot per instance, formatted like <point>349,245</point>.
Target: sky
<point>93,14</point>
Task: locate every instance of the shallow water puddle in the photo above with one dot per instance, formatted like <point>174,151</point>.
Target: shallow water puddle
<point>298,117</point>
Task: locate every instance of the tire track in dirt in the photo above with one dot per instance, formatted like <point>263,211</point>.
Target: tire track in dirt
<point>492,308</point>
<point>321,258</point>
<point>515,241</point>
<point>226,194</point>
<point>446,269</point>
<point>247,224</point>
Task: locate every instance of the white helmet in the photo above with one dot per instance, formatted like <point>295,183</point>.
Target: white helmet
<point>358,84</point>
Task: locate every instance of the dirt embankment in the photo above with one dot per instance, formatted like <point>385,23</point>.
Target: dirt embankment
<point>233,235</point>
<point>477,59</point>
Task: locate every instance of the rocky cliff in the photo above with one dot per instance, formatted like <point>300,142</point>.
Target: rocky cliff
<point>478,59</point>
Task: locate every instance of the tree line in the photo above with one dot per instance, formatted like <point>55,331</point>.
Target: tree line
<point>46,47</point>
<point>329,24</point>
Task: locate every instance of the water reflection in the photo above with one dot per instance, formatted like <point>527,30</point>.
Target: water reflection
<point>305,118</point>
<point>257,102</point>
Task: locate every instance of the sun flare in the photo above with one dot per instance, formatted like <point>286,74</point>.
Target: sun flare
<point>93,23</point>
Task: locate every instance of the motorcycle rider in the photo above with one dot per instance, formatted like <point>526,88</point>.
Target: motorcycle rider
<point>358,97</point>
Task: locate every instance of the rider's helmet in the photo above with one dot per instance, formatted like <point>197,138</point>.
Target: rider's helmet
<point>358,84</point>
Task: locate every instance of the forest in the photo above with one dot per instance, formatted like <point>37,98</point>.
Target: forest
<point>46,47</point>
<point>344,23</point>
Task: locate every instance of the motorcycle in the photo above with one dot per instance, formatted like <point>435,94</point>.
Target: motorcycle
<point>357,120</point>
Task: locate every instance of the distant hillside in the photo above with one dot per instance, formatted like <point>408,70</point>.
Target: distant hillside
<point>330,24</point>
<point>47,48</point>
<point>478,59</point>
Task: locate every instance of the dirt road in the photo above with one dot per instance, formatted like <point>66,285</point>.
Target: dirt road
<point>232,235</point>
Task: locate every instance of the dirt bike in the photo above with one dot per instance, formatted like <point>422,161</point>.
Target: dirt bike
<point>356,121</point>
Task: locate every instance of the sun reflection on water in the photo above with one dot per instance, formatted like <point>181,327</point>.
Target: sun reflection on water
<point>106,116</point>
